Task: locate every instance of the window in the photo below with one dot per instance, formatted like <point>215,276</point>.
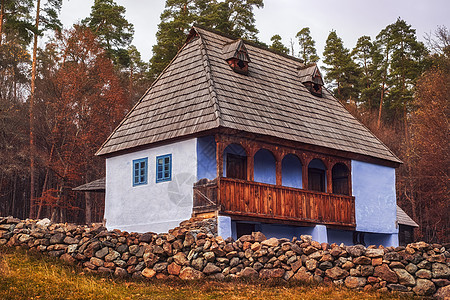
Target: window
<point>164,168</point>
<point>140,171</point>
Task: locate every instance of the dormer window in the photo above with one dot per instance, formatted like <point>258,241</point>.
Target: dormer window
<point>312,79</point>
<point>236,56</point>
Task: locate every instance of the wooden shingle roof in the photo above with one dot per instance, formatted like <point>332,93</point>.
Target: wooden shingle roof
<point>404,219</point>
<point>199,91</point>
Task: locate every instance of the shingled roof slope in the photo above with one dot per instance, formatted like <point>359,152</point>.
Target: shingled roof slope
<point>199,91</point>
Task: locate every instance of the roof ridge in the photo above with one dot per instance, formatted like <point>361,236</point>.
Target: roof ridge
<point>211,87</point>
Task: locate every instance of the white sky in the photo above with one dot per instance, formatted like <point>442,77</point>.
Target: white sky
<point>350,18</point>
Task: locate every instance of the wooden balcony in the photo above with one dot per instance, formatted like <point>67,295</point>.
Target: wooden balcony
<point>273,203</point>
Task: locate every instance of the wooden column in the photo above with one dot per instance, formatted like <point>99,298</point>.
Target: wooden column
<point>250,163</point>
<point>305,175</point>
<point>329,179</point>
<point>219,156</point>
<point>278,167</point>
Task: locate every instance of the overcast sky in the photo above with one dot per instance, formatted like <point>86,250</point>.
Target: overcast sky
<point>350,18</point>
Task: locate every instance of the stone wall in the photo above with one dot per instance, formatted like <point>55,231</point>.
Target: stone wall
<point>192,251</point>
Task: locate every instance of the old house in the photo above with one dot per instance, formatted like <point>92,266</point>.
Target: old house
<point>234,130</point>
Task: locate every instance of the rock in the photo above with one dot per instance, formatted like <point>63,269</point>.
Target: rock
<point>57,238</point>
<point>198,263</point>
<point>119,272</point>
<point>96,261</point>
<point>311,264</point>
<point>70,240</point>
<point>336,273</point>
<point>146,237</point>
<point>174,269</point>
<point>160,267</point>
<point>133,249</point>
<point>258,236</point>
<point>356,251</point>
<point>234,261</point>
<point>302,275</point>
<point>366,270</point>
<point>102,252</point>
<point>424,273</point>
<point>122,248</point>
<point>396,265</point>
<point>249,273</point>
<point>397,287</point>
<point>112,256</point>
<point>424,287</point>
<point>325,265</point>
<point>180,258</point>
<point>271,273</point>
<point>411,268</point>
<point>391,256</point>
<point>316,255</point>
<point>209,256</point>
<point>443,293</point>
<point>348,265</point>
<point>424,264</point>
<point>373,253</point>
<point>296,265</point>
<point>441,282</point>
<point>404,277</point>
<point>120,263</point>
<point>23,238</point>
<point>67,258</point>
<point>211,268</point>
<point>246,238</point>
<point>44,223</point>
<point>377,261</point>
<point>355,282</point>
<point>296,249</point>
<point>148,273</point>
<point>362,260</point>
<point>385,273</point>
<point>440,270</point>
<point>189,273</point>
<point>309,250</point>
<point>272,242</point>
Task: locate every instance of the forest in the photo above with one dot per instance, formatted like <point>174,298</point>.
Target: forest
<point>61,100</point>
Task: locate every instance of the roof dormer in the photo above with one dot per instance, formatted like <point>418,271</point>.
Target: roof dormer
<point>235,53</point>
<point>312,79</point>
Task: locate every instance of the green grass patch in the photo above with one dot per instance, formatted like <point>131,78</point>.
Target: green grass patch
<point>25,275</point>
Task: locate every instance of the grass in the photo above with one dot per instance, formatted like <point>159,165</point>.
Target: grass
<point>25,275</point>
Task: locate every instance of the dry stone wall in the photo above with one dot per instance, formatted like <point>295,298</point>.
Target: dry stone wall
<point>193,251</point>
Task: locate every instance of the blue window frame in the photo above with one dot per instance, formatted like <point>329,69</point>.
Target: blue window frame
<point>164,168</point>
<point>140,167</point>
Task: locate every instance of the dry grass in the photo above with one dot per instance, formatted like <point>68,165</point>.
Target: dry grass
<point>24,275</point>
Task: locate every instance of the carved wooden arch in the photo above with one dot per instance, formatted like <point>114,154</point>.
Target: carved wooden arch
<point>296,153</point>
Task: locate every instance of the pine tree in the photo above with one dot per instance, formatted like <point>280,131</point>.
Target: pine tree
<point>307,50</point>
<point>108,22</point>
<point>232,17</point>
<point>277,45</point>
<point>342,71</point>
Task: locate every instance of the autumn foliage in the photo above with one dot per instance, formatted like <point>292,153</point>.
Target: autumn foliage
<point>81,100</point>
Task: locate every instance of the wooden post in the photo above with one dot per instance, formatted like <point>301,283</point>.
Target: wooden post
<point>329,180</point>
<point>250,163</point>
<point>278,167</point>
<point>219,156</point>
<point>305,174</point>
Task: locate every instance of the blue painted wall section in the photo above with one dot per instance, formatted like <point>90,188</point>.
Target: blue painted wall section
<point>233,149</point>
<point>375,201</point>
<point>206,158</point>
<point>264,167</point>
<point>291,170</point>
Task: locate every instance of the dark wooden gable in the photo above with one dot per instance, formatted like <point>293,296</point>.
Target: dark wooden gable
<point>312,79</point>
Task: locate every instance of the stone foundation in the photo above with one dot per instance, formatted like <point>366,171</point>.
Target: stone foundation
<point>193,251</point>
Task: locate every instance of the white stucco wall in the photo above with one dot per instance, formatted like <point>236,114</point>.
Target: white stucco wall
<point>375,200</point>
<point>155,207</point>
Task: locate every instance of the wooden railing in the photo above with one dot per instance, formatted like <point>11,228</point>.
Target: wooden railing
<point>253,199</point>
<point>271,202</point>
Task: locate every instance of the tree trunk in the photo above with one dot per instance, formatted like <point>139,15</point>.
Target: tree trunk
<point>2,15</point>
<point>32,98</point>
